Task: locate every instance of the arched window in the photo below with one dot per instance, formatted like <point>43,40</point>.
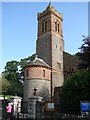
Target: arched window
<point>43,73</point>
<point>27,73</point>
<point>44,26</point>
<point>57,25</point>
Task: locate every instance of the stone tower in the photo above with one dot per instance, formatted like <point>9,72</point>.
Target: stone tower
<point>50,43</point>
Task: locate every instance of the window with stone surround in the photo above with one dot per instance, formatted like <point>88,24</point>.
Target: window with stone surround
<point>27,73</point>
<point>43,73</point>
<point>59,65</point>
<point>57,26</point>
<point>44,26</point>
<point>60,48</point>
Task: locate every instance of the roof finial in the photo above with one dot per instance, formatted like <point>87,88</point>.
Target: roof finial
<point>49,3</point>
<point>36,56</point>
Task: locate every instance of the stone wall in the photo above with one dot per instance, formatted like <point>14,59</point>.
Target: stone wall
<point>43,48</point>
<point>43,88</point>
<point>57,60</point>
<point>70,64</point>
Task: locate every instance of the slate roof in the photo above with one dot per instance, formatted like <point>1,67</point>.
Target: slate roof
<point>39,62</point>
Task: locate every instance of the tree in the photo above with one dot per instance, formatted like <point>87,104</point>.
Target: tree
<point>5,85</point>
<point>84,54</point>
<point>11,71</point>
<point>75,89</point>
<point>24,62</point>
<point>14,74</point>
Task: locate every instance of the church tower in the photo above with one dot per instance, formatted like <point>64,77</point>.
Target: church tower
<point>50,43</point>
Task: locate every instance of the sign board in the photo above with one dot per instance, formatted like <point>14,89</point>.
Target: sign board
<point>49,106</point>
<point>85,106</point>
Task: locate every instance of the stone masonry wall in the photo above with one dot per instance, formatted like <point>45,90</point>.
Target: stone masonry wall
<point>43,88</point>
<point>43,48</point>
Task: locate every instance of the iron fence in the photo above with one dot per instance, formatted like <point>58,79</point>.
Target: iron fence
<point>22,114</point>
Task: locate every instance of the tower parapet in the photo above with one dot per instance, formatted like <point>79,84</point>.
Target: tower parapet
<point>50,10</point>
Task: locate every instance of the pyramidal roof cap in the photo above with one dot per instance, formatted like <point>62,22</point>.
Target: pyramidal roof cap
<point>50,7</point>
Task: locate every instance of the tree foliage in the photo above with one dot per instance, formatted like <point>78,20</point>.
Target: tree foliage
<point>11,71</point>
<point>14,74</point>
<point>24,62</point>
<point>5,84</point>
<point>84,54</point>
<point>76,89</point>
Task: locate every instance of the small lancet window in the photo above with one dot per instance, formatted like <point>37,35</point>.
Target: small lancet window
<point>59,65</point>
<point>44,26</point>
<point>60,48</point>
<point>43,73</point>
<point>57,25</point>
<point>27,73</point>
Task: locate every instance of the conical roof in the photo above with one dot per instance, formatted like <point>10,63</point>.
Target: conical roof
<point>39,62</point>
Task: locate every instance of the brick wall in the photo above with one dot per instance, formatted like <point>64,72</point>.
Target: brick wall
<point>37,79</point>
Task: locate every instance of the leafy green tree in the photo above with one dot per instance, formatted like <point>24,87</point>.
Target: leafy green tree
<point>84,54</point>
<point>76,89</point>
<point>5,84</point>
<point>16,88</point>
<point>11,71</point>
<point>24,62</point>
<point>14,75</point>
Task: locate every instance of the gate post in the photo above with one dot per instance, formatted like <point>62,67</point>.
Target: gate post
<point>34,106</point>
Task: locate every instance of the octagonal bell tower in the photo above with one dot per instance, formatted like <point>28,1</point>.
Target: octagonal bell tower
<point>50,43</point>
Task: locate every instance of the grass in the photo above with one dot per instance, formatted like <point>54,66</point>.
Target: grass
<point>8,96</point>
